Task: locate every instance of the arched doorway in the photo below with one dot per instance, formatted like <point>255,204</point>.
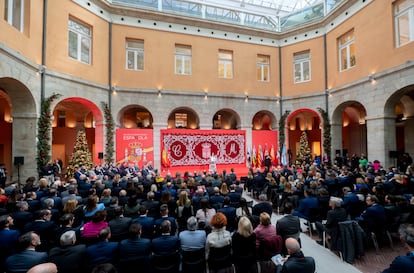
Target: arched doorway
<point>69,116</point>
<point>226,119</point>
<point>18,123</point>
<point>135,116</point>
<point>304,136</point>
<point>401,106</point>
<point>183,118</point>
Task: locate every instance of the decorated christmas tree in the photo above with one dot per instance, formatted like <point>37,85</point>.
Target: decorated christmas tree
<point>80,156</point>
<point>304,153</point>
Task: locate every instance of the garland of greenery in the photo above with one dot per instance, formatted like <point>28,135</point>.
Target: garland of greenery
<point>282,124</point>
<point>44,125</point>
<point>327,140</point>
<point>109,124</point>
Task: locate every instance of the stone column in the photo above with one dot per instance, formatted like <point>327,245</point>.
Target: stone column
<point>336,136</point>
<point>157,144</point>
<point>409,135</point>
<point>381,139</point>
<point>25,145</point>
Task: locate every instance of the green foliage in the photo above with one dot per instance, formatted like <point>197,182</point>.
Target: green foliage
<point>109,146</point>
<point>282,125</point>
<point>327,140</point>
<point>81,155</point>
<point>44,125</point>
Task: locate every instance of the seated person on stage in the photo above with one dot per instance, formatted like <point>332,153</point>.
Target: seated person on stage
<point>402,264</point>
<point>297,261</point>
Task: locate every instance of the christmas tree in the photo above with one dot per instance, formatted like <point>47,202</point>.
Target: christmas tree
<point>80,156</point>
<point>304,153</point>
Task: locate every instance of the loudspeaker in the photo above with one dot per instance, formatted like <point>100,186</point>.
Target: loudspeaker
<point>18,160</point>
<point>100,155</point>
<point>345,152</point>
<point>393,154</point>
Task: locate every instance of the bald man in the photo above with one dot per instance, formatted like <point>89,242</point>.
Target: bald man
<point>43,268</point>
<point>296,262</point>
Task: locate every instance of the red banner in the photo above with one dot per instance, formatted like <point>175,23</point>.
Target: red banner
<point>134,146</point>
<point>196,147</point>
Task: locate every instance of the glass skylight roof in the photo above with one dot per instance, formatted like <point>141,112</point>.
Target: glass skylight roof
<point>273,15</point>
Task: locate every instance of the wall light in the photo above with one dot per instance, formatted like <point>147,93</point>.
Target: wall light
<point>372,78</point>
<point>41,69</point>
<point>113,89</point>
<point>159,93</point>
<point>246,99</point>
<point>205,95</point>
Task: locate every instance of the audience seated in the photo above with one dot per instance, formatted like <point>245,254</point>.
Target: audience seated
<point>243,246</point>
<point>192,239</point>
<point>69,256</point>
<point>27,257</point>
<point>297,261</point>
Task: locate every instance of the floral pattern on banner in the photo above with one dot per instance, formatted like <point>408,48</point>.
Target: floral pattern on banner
<point>197,148</point>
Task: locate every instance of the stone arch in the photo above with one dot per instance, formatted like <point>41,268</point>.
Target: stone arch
<point>264,120</point>
<point>18,125</point>
<point>350,117</point>
<point>226,118</point>
<point>301,120</point>
<point>135,116</point>
<point>183,117</point>
<point>71,114</point>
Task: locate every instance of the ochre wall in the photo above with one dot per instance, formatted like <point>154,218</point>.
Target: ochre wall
<point>28,43</point>
<point>159,64</point>
<point>374,40</point>
<point>57,42</point>
<point>317,82</point>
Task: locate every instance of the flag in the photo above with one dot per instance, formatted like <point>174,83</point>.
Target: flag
<point>164,158</point>
<point>272,155</point>
<point>284,161</point>
<point>254,158</point>
<point>259,157</point>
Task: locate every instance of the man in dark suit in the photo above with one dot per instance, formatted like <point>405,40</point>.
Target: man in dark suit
<point>404,263</point>
<point>44,227</point>
<point>134,251</point>
<point>166,243</point>
<point>234,196</point>
<point>373,217</point>
<point>288,226</point>
<point>334,216</point>
<point>216,199</point>
<point>8,239</point>
<point>230,213</point>
<point>151,204</point>
<point>297,261</point>
<point>164,216</point>
<point>119,225</point>
<point>22,216</point>
<point>28,257</point>
<point>69,257</point>
<point>262,206</point>
<point>310,201</point>
<point>103,251</point>
<point>147,223</point>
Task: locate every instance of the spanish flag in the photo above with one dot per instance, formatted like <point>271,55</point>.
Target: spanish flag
<point>164,159</point>
<point>273,156</point>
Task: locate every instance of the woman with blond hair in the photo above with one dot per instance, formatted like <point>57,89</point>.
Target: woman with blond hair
<point>184,210</point>
<point>224,190</point>
<point>72,206</point>
<point>244,247</point>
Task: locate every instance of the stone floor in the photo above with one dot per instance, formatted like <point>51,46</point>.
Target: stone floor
<point>328,262</point>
